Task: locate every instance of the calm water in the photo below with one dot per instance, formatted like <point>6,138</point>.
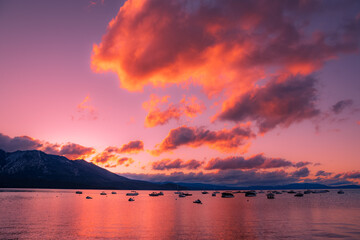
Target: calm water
<point>62,214</point>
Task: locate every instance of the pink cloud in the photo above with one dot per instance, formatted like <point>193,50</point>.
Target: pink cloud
<point>189,107</point>
<point>222,140</point>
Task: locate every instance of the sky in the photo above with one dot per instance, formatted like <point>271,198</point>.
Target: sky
<point>232,93</point>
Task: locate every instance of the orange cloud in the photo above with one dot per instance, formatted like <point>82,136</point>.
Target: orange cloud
<point>215,44</point>
<point>132,147</point>
<point>189,107</point>
<point>110,158</point>
<point>222,140</point>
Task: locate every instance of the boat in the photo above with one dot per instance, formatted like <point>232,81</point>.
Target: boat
<point>307,191</point>
<point>291,192</point>
<point>182,195</point>
<point>103,193</point>
<point>227,195</point>
<point>341,192</point>
<point>113,192</point>
<point>197,201</point>
<point>161,194</point>
<point>270,195</point>
<point>299,194</point>
<point>131,200</point>
<point>213,194</point>
<point>78,192</point>
<point>177,192</point>
<point>187,194</point>
<point>216,192</point>
<point>153,194</point>
<point>277,192</point>
<point>132,193</point>
<point>250,194</point>
<point>88,197</point>
<point>205,192</point>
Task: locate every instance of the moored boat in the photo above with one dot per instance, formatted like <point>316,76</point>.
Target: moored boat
<point>250,194</point>
<point>182,195</point>
<point>131,200</point>
<point>103,193</point>
<point>78,192</point>
<point>154,194</point>
<point>299,194</point>
<point>340,192</point>
<point>197,201</point>
<point>132,193</point>
<point>88,197</point>
<point>270,195</point>
<point>227,195</point>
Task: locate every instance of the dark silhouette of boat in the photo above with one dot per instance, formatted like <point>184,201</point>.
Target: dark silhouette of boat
<point>250,194</point>
<point>197,201</point>
<point>155,194</point>
<point>270,195</point>
<point>132,193</point>
<point>227,195</point>
<point>299,194</point>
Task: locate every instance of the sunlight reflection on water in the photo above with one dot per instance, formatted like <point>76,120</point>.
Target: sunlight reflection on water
<point>62,214</point>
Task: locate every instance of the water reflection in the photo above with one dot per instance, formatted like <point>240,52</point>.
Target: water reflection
<point>62,214</point>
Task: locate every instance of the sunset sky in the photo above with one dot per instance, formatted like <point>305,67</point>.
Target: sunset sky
<point>230,92</point>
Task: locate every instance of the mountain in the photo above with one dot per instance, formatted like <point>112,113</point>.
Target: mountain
<point>36,169</point>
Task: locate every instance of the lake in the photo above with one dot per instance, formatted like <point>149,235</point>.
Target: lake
<point>62,214</point>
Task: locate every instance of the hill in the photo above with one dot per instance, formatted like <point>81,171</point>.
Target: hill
<point>36,169</point>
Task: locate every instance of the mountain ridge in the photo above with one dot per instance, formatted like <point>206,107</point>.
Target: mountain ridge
<point>36,169</point>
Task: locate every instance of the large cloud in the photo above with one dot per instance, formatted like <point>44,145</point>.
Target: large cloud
<point>223,140</point>
<point>280,102</point>
<point>69,150</point>
<point>255,162</point>
<point>219,44</point>
<point>167,164</point>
